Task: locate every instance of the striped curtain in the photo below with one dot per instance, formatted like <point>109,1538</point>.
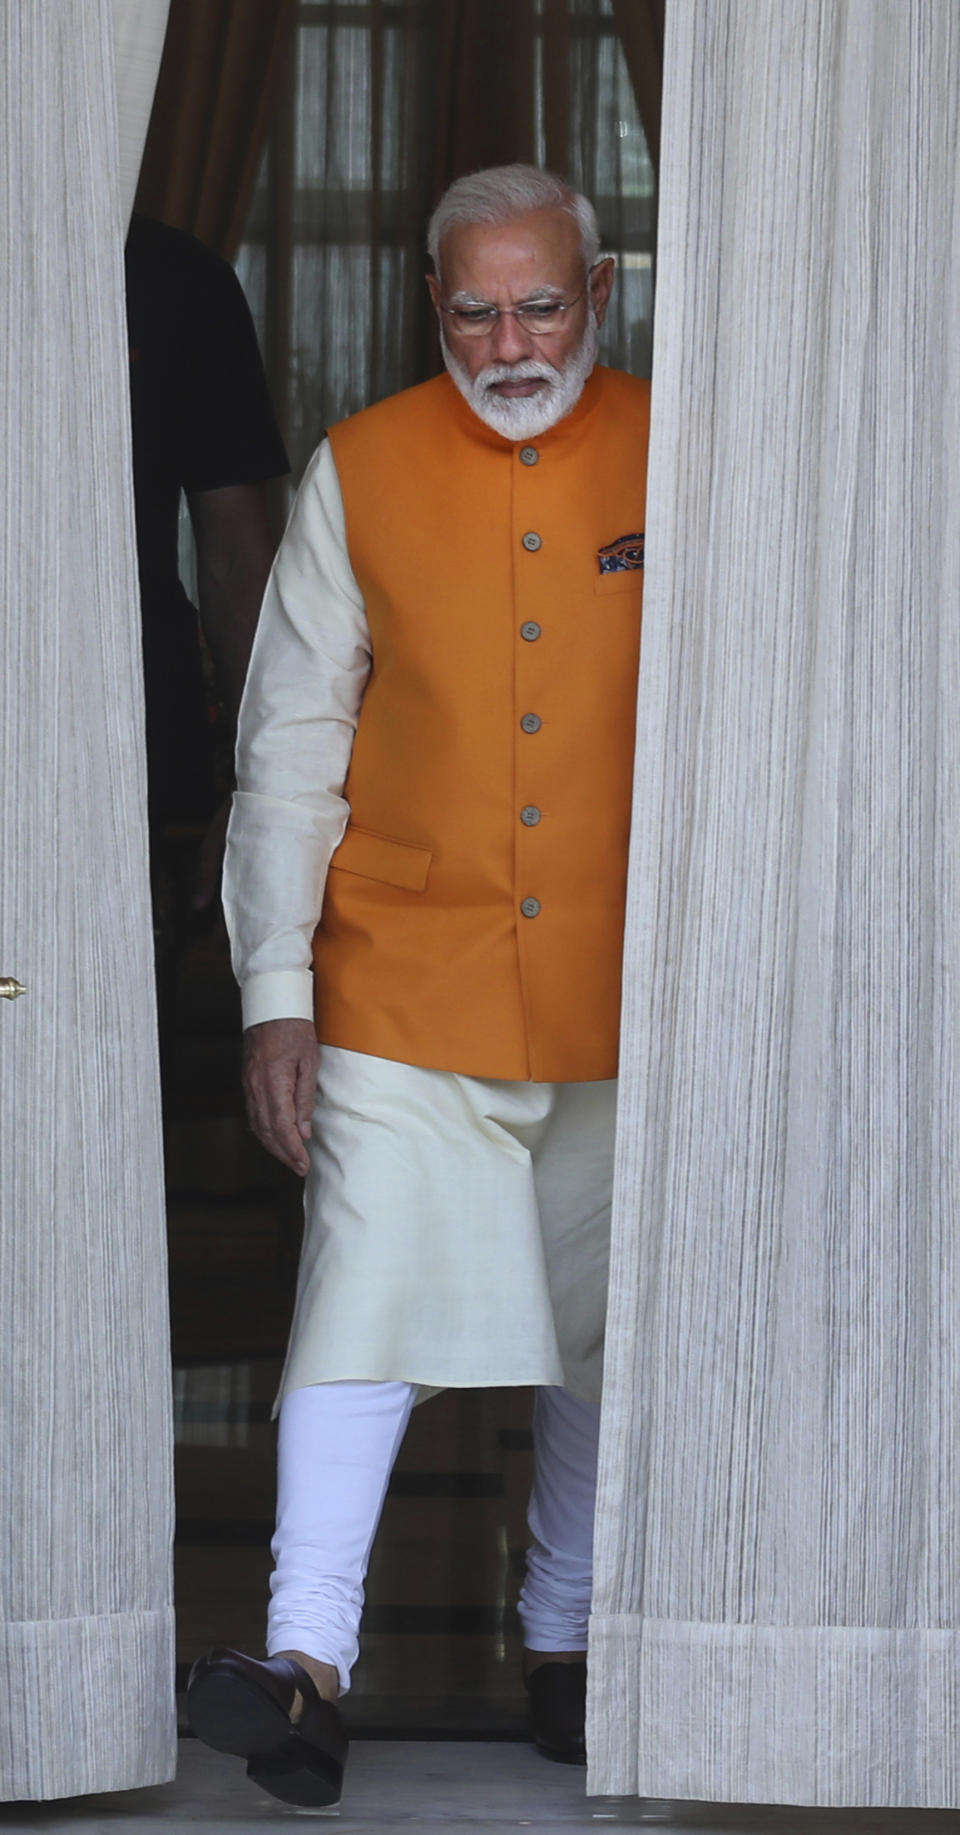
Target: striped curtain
<point>86,1509</point>
<point>777,1612</point>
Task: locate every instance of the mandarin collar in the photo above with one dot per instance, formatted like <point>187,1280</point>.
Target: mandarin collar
<point>559,435</point>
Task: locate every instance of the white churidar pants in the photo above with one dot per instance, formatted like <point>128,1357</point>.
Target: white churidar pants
<point>337,1445</point>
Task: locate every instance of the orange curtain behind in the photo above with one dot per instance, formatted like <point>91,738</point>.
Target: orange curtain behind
<point>222,60</point>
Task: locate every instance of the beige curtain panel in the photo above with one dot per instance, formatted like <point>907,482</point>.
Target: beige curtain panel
<point>86,1509</point>
<point>778,1557</point>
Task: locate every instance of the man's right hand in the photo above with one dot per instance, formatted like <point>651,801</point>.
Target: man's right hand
<point>280,1062</point>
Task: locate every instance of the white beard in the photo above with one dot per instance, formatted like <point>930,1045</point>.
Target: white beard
<point>524,417</point>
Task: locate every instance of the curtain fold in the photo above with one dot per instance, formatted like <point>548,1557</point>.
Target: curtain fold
<point>777,1605</point>
<point>593,134</point>
<point>138,35</point>
<point>86,1496</point>
<point>483,110</point>
<point>222,64</point>
<point>640,24</point>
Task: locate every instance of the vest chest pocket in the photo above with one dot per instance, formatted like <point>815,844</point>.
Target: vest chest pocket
<point>393,863</point>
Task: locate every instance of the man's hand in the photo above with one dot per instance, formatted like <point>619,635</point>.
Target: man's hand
<point>280,1061</point>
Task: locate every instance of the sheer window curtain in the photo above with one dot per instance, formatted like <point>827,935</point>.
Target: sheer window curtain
<point>333,257</point>
<point>327,256</point>
<point>589,127</point>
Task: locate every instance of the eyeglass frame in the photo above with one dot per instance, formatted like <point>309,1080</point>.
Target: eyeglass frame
<point>516,312</point>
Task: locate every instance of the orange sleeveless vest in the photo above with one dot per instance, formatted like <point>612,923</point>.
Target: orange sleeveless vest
<point>473,917</point>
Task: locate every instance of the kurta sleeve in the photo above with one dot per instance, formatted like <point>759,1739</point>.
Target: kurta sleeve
<point>308,671</point>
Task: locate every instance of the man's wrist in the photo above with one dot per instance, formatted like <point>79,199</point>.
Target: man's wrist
<point>277,994</point>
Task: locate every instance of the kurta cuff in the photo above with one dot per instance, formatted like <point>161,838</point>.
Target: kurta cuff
<point>277,994</point>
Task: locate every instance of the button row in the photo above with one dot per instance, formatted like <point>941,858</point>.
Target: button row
<point>530,723</point>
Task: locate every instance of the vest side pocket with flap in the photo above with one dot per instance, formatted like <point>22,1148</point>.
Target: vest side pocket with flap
<point>395,863</point>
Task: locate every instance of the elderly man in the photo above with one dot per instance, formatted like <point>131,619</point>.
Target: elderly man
<point>426,872</point>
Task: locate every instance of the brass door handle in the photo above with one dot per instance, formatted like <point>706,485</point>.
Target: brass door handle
<point>10,988</point>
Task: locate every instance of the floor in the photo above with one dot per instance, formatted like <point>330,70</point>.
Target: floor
<point>447,1787</point>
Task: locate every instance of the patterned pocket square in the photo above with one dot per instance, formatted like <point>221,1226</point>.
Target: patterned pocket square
<point>623,555</point>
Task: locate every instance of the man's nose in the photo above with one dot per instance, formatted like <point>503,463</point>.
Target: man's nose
<point>510,342</point>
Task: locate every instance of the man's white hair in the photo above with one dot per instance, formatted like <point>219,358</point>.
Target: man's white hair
<point>500,193</point>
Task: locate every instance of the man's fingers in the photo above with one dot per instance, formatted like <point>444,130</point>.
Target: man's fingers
<point>279,1134</point>
<point>273,1120</point>
<point>305,1094</point>
<point>285,1144</point>
<point>280,1063</point>
<point>284,1126</point>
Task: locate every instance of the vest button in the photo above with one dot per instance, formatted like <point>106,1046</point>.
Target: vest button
<point>531,723</point>
<point>530,816</point>
<point>532,541</point>
<point>528,455</point>
<point>530,631</point>
<point>530,907</point>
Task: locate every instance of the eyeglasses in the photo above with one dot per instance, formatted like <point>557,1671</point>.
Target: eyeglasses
<point>538,316</point>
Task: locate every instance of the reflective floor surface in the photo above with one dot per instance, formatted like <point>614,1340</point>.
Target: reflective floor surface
<point>446,1788</point>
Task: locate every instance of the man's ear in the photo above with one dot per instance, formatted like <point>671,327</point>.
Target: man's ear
<point>434,287</point>
<point>601,285</point>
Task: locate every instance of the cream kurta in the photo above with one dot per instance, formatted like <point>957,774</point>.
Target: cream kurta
<point>456,1230</point>
<point>308,670</point>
